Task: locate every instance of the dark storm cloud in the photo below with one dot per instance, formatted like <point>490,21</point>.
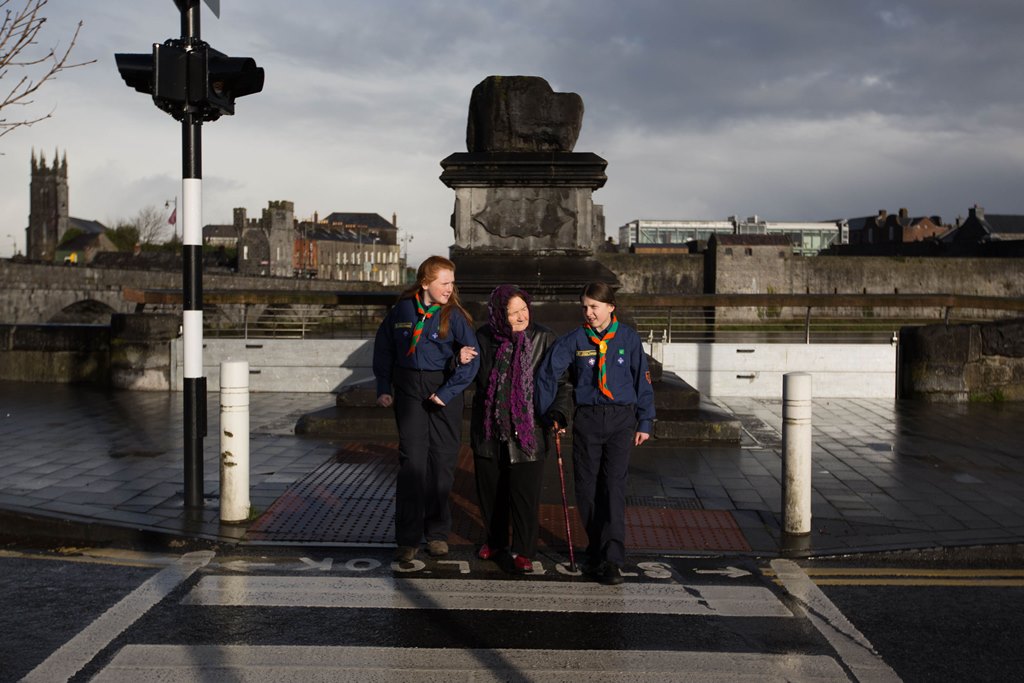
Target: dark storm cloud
<point>792,109</point>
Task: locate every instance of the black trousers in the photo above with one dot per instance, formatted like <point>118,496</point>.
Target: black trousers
<point>602,440</point>
<point>429,437</point>
<point>508,492</point>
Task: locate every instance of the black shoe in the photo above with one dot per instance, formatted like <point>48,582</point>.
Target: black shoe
<point>592,567</point>
<point>611,575</point>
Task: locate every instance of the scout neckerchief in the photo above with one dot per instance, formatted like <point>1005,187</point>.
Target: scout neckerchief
<point>425,314</point>
<point>602,350</point>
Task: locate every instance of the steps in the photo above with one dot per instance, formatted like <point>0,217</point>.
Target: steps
<point>682,418</point>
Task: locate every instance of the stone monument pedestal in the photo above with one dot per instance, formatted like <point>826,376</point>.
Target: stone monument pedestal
<point>527,218</point>
<point>524,214</point>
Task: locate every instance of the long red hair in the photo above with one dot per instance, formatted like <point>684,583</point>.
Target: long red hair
<point>427,273</point>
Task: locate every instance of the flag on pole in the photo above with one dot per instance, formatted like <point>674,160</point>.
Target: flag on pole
<point>173,220</point>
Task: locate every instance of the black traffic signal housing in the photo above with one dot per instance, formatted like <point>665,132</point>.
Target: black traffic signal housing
<point>200,80</point>
<point>228,78</point>
<point>136,70</point>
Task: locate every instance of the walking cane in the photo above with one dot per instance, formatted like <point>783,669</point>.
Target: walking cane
<point>565,503</point>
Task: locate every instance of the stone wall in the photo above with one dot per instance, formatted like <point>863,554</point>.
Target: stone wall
<point>140,350</point>
<point>64,354</point>
<point>872,275</point>
<point>656,273</point>
<point>38,293</point>
<point>766,272</point>
<point>958,363</point>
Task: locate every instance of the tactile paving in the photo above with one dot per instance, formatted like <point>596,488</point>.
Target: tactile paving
<point>351,500</point>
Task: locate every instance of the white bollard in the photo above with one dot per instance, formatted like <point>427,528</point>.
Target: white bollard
<point>234,441</point>
<point>796,453</point>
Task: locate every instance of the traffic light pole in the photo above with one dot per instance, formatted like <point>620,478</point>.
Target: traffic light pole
<point>194,398</point>
<point>193,83</point>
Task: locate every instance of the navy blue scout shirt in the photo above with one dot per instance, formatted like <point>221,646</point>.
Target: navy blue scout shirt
<point>626,368</point>
<point>391,346</point>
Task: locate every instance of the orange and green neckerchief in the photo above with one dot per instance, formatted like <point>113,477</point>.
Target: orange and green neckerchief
<point>602,351</point>
<point>425,314</point>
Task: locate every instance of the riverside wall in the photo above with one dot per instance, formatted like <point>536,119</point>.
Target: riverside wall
<point>134,351</point>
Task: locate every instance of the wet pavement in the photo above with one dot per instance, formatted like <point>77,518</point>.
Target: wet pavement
<point>79,464</point>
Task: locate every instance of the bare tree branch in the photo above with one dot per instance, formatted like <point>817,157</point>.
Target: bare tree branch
<point>151,224</point>
<point>19,33</point>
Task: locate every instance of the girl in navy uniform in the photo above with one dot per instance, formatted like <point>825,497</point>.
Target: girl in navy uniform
<point>614,413</point>
<point>413,362</point>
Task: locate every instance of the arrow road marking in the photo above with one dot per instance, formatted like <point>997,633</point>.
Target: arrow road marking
<point>731,572</point>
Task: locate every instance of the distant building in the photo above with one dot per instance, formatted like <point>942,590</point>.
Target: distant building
<point>84,248</point>
<point>666,232</point>
<point>898,228</point>
<point>733,262</point>
<point>807,238</point>
<point>224,235</point>
<point>978,228</point>
<point>265,245</point>
<point>52,234</point>
<point>349,247</point>
<point>87,240</point>
<point>48,219</point>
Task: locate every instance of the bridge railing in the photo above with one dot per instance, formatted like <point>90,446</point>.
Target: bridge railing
<point>679,318</point>
<point>806,318</point>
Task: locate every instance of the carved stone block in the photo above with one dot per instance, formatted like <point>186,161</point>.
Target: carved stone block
<point>522,114</point>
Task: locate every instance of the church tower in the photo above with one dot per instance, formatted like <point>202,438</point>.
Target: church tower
<point>48,207</point>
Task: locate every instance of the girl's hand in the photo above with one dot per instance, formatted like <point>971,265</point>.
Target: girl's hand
<point>467,354</point>
<point>385,400</point>
<point>435,399</point>
<point>640,438</point>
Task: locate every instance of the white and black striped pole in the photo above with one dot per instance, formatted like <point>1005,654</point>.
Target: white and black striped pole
<point>193,83</point>
<point>192,277</point>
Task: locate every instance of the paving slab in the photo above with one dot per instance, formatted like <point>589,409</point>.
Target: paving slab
<point>886,474</point>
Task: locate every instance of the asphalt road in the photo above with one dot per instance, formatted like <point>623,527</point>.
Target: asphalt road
<point>85,613</point>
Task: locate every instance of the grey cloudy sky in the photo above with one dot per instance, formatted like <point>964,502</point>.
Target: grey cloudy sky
<point>789,109</point>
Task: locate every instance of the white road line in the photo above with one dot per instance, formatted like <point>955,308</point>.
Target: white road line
<point>80,650</point>
<point>470,594</point>
<point>306,664</point>
<point>853,648</point>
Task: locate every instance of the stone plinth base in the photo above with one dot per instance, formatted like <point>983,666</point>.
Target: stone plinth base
<point>554,280</point>
<point>515,201</point>
<point>682,419</point>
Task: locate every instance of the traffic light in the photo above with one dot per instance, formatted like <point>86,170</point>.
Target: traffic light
<point>200,80</point>
<point>228,78</point>
<point>136,70</point>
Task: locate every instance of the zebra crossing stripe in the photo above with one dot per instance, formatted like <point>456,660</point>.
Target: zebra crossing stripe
<point>313,664</point>
<point>853,647</point>
<point>470,594</point>
<point>80,650</point>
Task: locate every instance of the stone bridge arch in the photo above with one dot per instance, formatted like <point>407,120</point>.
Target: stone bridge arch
<point>86,311</point>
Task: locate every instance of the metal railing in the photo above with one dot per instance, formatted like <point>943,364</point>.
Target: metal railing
<point>682,318</point>
<point>805,318</point>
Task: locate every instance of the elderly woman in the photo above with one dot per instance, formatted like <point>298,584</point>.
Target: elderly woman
<point>509,442</point>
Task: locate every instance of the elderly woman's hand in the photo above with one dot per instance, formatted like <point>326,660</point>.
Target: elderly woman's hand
<point>467,354</point>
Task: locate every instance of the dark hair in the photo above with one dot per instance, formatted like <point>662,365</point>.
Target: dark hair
<point>599,291</point>
<point>427,273</point>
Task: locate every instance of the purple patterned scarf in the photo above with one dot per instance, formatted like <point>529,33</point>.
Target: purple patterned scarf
<point>508,408</point>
